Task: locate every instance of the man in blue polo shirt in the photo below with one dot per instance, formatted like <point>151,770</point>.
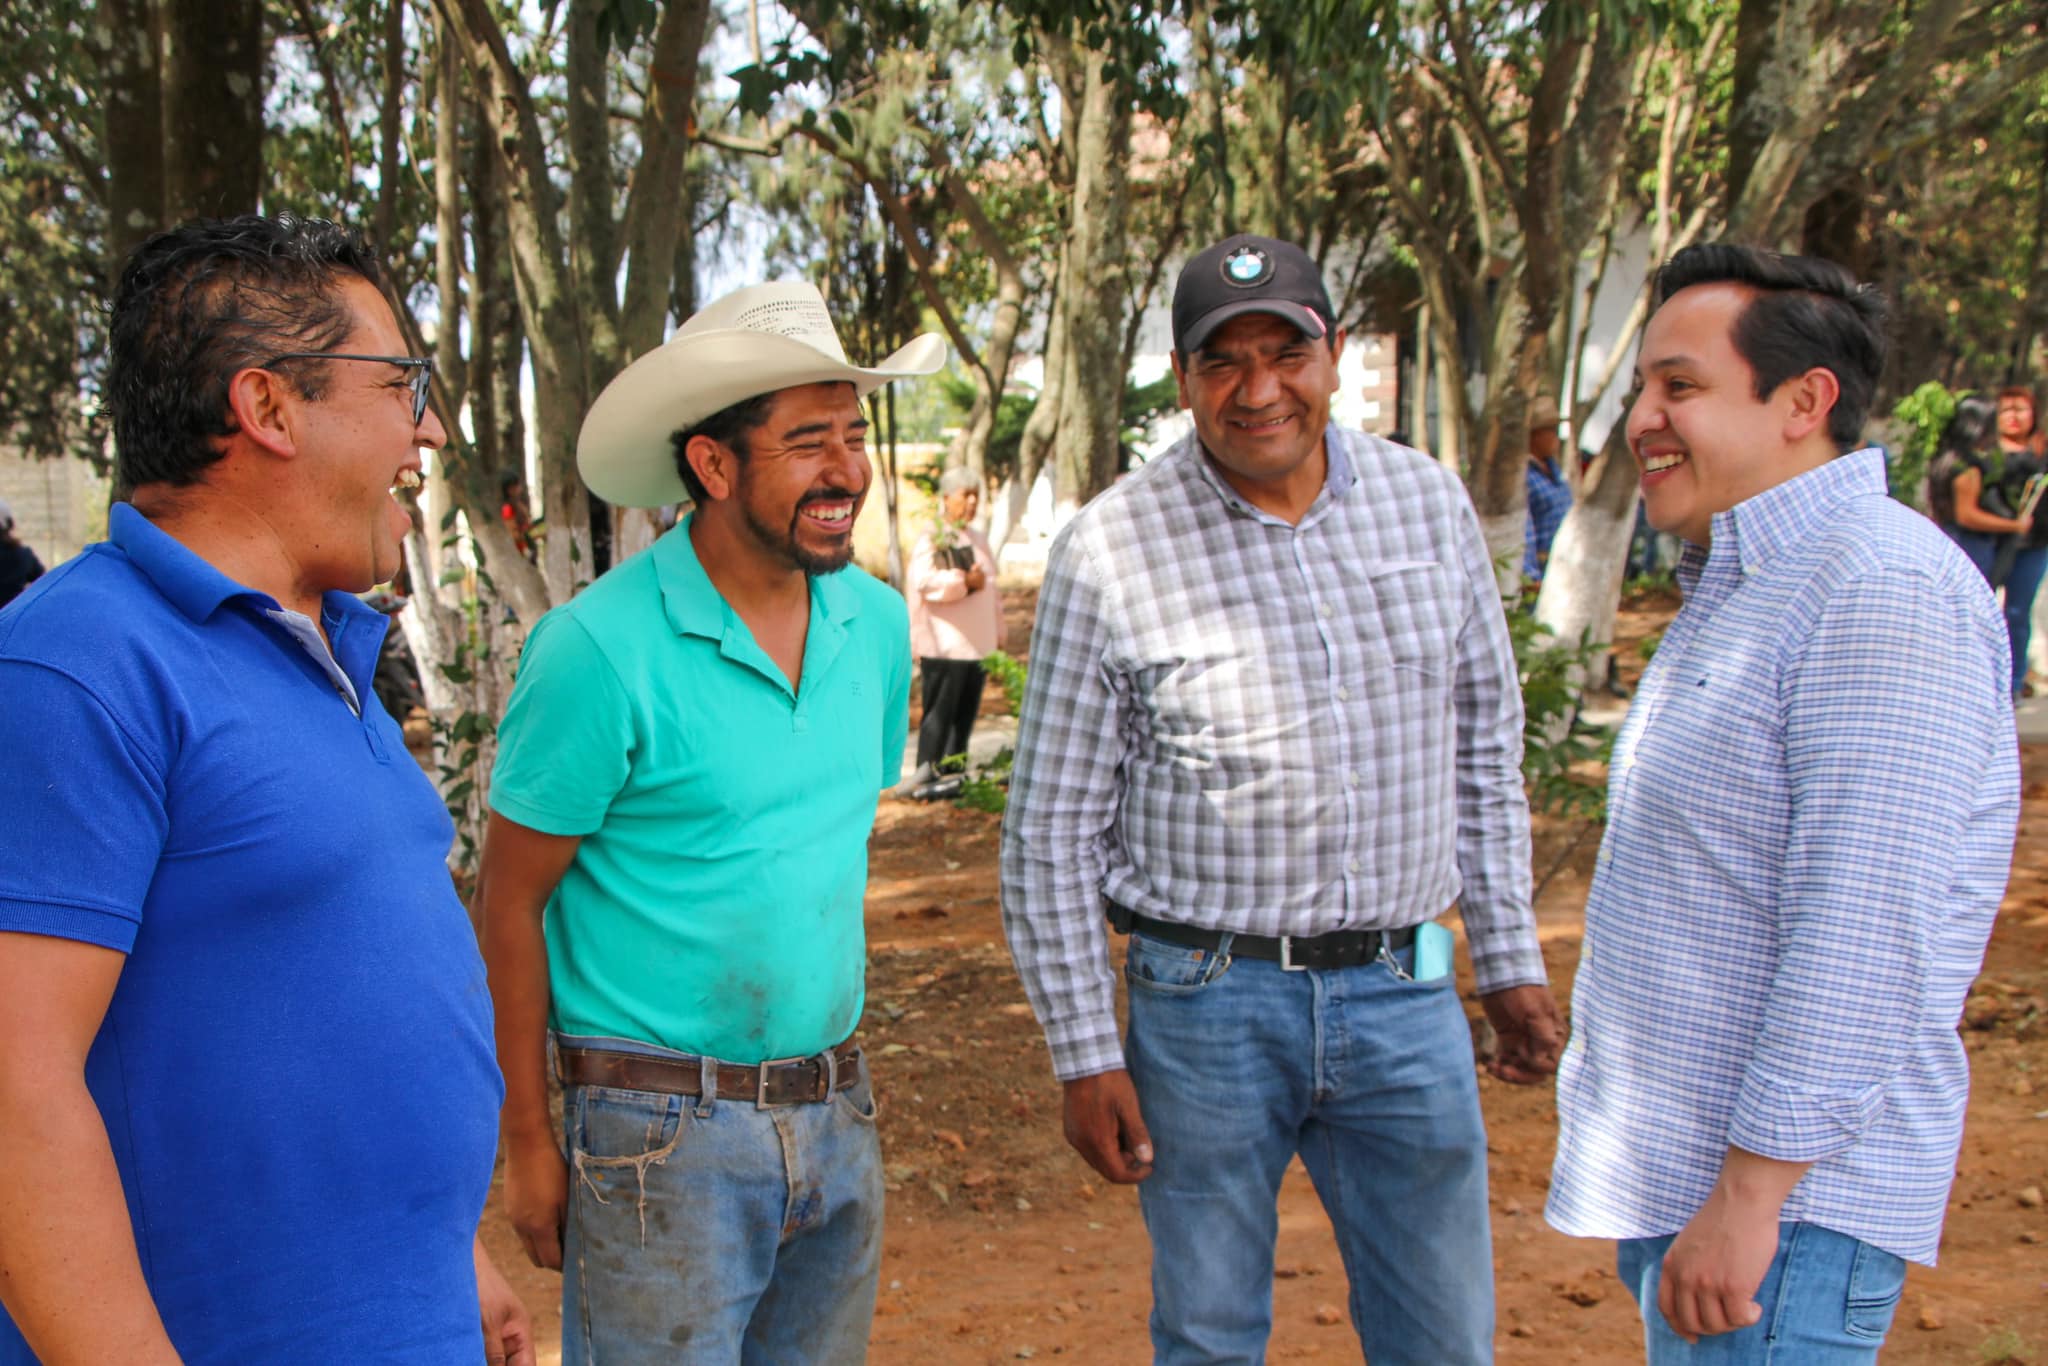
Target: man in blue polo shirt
<point>245,1098</point>
<point>677,858</point>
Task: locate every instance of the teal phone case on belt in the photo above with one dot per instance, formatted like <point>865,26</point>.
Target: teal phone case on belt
<point>1432,951</point>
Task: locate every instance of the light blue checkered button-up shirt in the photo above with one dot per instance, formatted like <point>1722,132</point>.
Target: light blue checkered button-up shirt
<point>1810,823</point>
<point>1246,725</point>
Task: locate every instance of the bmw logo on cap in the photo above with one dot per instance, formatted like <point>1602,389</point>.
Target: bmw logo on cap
<point>1246,267</point>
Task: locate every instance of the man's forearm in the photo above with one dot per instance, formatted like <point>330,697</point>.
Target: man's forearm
<point>1758,1183</point>
<point>515,953</point>
<point>69,1274</point>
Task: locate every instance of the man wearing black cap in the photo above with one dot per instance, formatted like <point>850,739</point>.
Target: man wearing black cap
<point>1272,731</point>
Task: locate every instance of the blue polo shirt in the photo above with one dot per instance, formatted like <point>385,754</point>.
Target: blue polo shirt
<point>296,1069</point>
<point>714,905</point>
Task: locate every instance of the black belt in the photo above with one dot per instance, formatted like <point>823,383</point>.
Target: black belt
<point>1337,949</point>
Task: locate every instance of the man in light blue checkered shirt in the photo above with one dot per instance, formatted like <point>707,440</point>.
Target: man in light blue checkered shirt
<point>1810,823</point>
<point>1273,727</point>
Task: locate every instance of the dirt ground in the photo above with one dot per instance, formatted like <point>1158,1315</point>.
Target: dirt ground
<point>1002,1246</point>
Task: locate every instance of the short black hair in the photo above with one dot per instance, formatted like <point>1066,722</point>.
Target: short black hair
<point>1807,313</point>
<point>729,427</point>
<point>1972,423</point>
<point>197,304</point>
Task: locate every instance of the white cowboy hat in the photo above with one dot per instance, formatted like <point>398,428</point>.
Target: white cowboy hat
<point>753,341</point>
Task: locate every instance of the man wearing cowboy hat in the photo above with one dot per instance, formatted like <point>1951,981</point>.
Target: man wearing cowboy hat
<point>1550,493</point>
<point>673,874</point>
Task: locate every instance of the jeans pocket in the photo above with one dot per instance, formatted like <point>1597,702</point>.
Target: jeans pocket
<point>859,1098</point>
<point>1876,1280</point>
<point>1165,969</point>
<point>608,1125</point>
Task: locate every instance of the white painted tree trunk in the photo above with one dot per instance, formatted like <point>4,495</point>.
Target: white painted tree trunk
<point>1006,512</point>
<point>1582,583</point>
<point>1504,539</point>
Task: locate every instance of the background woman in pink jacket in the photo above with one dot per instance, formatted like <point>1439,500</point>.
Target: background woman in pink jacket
<point>956,618</point>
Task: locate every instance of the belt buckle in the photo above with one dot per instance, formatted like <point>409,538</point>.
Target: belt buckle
<point>1287,963</point>
<point>761,1101</point>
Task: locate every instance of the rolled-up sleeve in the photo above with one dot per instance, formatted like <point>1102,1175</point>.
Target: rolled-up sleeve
<point>1493,809</point>
<point>1064,798</point>
<point>1883,783</point>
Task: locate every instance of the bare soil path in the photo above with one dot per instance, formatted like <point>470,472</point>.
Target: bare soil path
<point>1002,1246</point>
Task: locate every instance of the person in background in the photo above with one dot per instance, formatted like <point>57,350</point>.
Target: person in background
<point>1965,490</point>
<point>516,511</point>
<point>956,620</point>
<point>19,566</point>
<point>1550,494</point>
<point>2024,556</point>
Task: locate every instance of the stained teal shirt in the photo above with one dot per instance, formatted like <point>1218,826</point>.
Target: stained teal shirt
<point>714,906</point>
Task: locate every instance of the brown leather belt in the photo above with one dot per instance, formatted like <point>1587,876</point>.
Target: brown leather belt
<point>784,1081</point>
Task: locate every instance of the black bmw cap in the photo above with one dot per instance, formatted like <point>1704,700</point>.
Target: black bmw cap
<point>1247,274</point>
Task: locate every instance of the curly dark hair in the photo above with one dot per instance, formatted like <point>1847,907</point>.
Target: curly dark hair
<point>729,427</point>
<point>199,303</point>
<point>1807,313</point>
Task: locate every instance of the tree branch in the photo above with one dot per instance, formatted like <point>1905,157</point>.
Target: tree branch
<point>653,219</point>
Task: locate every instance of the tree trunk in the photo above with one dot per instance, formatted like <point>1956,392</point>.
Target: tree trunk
<point>213,108</point>
<point>1582,581</point>
<point>1039,431</point>
<point>991,371</point>
<point>129,50</point>
<point>1091,408</point>
<point>388,123</point>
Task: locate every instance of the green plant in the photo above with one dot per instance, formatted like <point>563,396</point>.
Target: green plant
<point>1925,412</point>
<point>1556,743</point>
<point>2004,1348</point>
<point>1658,581</point>
<point>987,788</point>
<point>1009,674</point>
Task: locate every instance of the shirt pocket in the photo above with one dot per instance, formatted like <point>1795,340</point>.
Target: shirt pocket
<point>1418,613</point>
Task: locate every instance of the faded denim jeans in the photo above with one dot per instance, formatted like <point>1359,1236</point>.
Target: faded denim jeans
<point>1238,1066</point>
<point>705,1230</point>
<point>1828,1300</point>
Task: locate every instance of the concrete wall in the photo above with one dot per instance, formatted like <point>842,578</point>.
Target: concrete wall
<point>60,506</point>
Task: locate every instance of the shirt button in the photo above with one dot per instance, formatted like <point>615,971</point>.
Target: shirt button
<point>1343,693</point>
<point>1327,611</point>
<point>1351,780</point>
<point>1355,866</point>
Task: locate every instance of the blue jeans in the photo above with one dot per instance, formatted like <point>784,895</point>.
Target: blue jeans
<point>2022,582</point>
<point>1238,1066</point>
<point>704,1230</point>
<point>1827,1298</point>
<point>1980,546</point>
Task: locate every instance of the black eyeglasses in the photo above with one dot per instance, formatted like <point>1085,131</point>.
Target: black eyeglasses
<point>420,381</point>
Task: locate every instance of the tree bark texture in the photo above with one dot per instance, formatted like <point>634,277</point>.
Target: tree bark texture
<point>1093,276</point>
<point>129,49</point>
<point>213,108</point>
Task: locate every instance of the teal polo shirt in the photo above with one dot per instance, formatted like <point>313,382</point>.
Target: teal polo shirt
<point>714,906</point>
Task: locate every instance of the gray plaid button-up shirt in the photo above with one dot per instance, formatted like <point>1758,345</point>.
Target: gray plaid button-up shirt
<point>1244,725</point>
